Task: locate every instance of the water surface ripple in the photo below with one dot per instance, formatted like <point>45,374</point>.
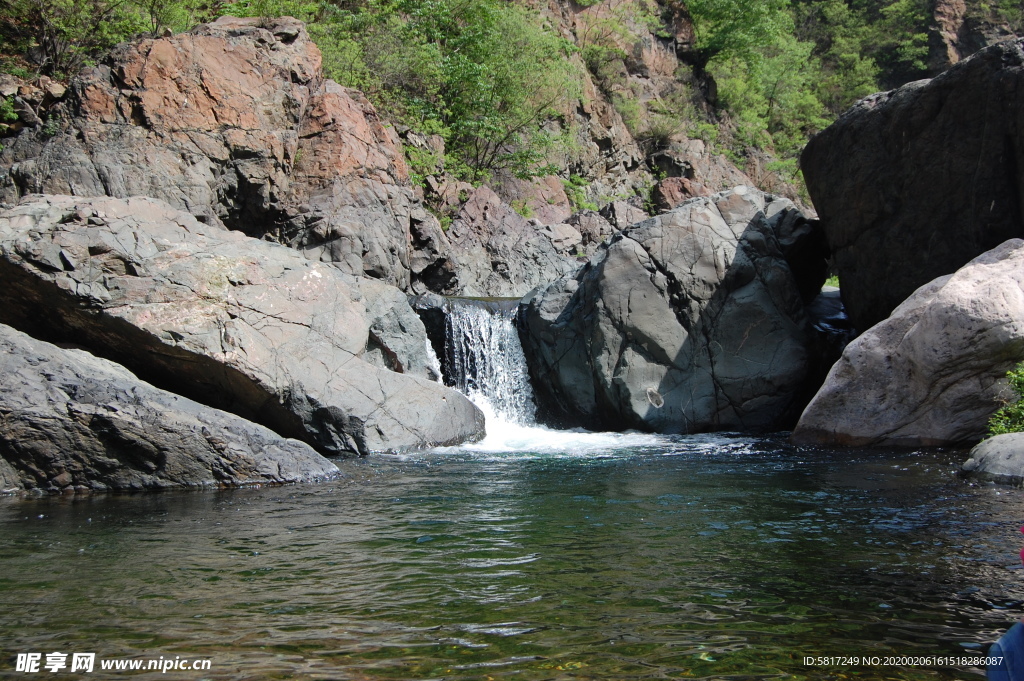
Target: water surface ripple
<point>668,558</point>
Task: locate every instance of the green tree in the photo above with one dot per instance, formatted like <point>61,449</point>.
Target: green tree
<point>486,75</point>
<point>726,29</point>
<point>64,34</point>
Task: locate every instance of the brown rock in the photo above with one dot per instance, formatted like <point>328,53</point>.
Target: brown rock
<point>672,191</point>
<point>234,123</point>
<point>541,198</point>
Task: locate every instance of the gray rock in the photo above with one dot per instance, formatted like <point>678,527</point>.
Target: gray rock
<point>623,214</point>
<point>593,229</point>
<point>933,372</point>
<point>26,114</point>
<point>431,259</point>
<point>913,183</point>
<point>235,322</point>
<point>998,459</point>
<point>397,340</point>
<point>72,421</point>
<point>690,321</point>
<point>498,253</point>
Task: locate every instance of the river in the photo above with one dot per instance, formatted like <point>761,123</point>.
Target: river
<point>535,554</point>
<point>657,557</point>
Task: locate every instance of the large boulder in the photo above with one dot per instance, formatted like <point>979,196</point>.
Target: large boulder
<point>234,322</point>
<point>998,459</point>
<point>234,123</point>
<point>72,421</point>
<point>690,321</point>
<point>932,373</point>
<point>913,183</point>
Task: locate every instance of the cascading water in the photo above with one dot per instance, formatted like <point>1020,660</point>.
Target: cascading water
<point>485,358</point>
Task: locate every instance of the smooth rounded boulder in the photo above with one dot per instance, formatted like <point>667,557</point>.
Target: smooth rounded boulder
<point>690,321</point>
<point>234,322</point>
<point>70,421</point>
<point>934,371</point>
<point>998,459</point>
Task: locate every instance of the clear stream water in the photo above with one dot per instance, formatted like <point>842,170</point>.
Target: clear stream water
<point>613,557</point>
<point>535,554</point>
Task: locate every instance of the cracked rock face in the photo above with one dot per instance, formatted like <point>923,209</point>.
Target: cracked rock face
<point>933,372</point>
<point>235,124</point>
<point>913,183</point>
<point>72,421</point>
<point>690,321</point>
<point>234,322</point>
<point>498,253</point>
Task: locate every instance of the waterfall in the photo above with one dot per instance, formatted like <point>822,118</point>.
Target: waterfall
<point>485,360</point>
<point>481,356</point>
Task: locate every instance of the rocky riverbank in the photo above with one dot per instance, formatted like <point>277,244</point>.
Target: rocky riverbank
<point>231,239</point>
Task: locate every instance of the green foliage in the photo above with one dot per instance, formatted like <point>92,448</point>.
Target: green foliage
<point>602,34</point>
<point>736,29</point>
<point>422,164</point>
<point>1010,418</point>
<point>1009,12</point>
<point>523,208</point>
<point>784,71</point>
<point>64,35</point>
<point>51,127</point>
<point>7,114</point>
<point>772,98</point>
<point>11,66</point>
<point>486,75</point>
<point>267,9</point>
<point>575,190</point>
<point>832,281</point>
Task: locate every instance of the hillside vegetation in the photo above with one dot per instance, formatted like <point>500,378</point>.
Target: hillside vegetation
<point>497,80</point>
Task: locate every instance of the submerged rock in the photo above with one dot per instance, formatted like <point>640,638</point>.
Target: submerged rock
<point>690,321</point>
<point>932,373</point>
<point>913,183</point>
<point>237,323</point>
<point>998,459</point>
<point>72,421</point>
<point>234,123</point>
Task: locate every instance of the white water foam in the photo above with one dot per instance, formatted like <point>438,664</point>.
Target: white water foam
<point>487,364</point>
<point>506,436</point>
<point>486,358</point>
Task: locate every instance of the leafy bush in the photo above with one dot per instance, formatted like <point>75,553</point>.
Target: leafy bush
<point>486,75</point>
<point>7,114</point>
<point>61,36</point>
<point>1010,418</point>
<point>575,190</point>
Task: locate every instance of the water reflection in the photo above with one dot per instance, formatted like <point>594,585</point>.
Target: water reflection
<point>696,557</point>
